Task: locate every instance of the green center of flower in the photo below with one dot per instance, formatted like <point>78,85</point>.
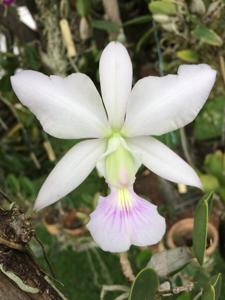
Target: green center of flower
<point>119,162</point>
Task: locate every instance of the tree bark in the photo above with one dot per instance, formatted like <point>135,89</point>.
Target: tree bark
<point>8,291</point>
<point>20,276</point>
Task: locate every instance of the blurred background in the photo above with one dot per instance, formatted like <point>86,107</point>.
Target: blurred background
<point>67,36</point>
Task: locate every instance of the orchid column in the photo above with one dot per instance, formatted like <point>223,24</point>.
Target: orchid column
<point>117,138</point>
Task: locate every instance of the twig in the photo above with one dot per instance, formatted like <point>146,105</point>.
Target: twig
<point>184,144</point>
<point>5,196</point>
<point>45,256</point>
<point>222,67</point>
<point>158,48</point>
<point>122,296</point>
<point>126,266</point>
<point>111,8</point>
<point>112,288</point>
<point>198,295</point>
<point>73,64</point>
<point>176,290</point>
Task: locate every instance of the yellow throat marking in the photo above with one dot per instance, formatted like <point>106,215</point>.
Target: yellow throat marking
<point>124,198</point>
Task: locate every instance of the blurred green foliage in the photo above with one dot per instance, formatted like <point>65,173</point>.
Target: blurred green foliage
<point>214,179</point>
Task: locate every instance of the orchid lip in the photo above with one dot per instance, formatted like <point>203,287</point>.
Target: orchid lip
<point>123,218</point>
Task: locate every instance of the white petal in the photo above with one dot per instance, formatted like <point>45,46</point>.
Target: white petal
<point>67,107</point>
<point>115,69</point>
<point>70,171</point>
<point>164,162</point>
<point>161,104</point>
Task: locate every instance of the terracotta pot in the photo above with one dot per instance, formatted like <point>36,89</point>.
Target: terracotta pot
<point>180,234</point>
<point>73,223</point>
<point>52,222</point>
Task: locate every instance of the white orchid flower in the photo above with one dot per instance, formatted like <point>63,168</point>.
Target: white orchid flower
<point>71,108</point>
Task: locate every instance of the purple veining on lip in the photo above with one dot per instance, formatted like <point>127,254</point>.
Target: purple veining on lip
<point>115,228</point>
<point>8,2</point>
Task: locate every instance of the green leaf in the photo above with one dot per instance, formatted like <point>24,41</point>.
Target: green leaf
<point>210,183</point>
<point>26,186</point>
<point>83,7</point>
<point>164,7</point>
<point>143,258</point>
<point>209,123</point>
<point>208,293</point>
<point>216,282</point>
<point>144,286</point>
<point>31,57</point>
<point>214,164</point>
<point>143,39</point>
<point>108,26</point>
<point>201,228</point>
<point>188,55</point>
<point>208,36</point>
<point>12,183</point>
<point>221,191</point>
<point>170,261</point>
<point>184,296</point>
<point>138,20</point>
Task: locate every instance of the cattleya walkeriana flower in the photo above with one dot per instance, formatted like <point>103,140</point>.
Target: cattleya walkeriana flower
<point>71,108</point>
